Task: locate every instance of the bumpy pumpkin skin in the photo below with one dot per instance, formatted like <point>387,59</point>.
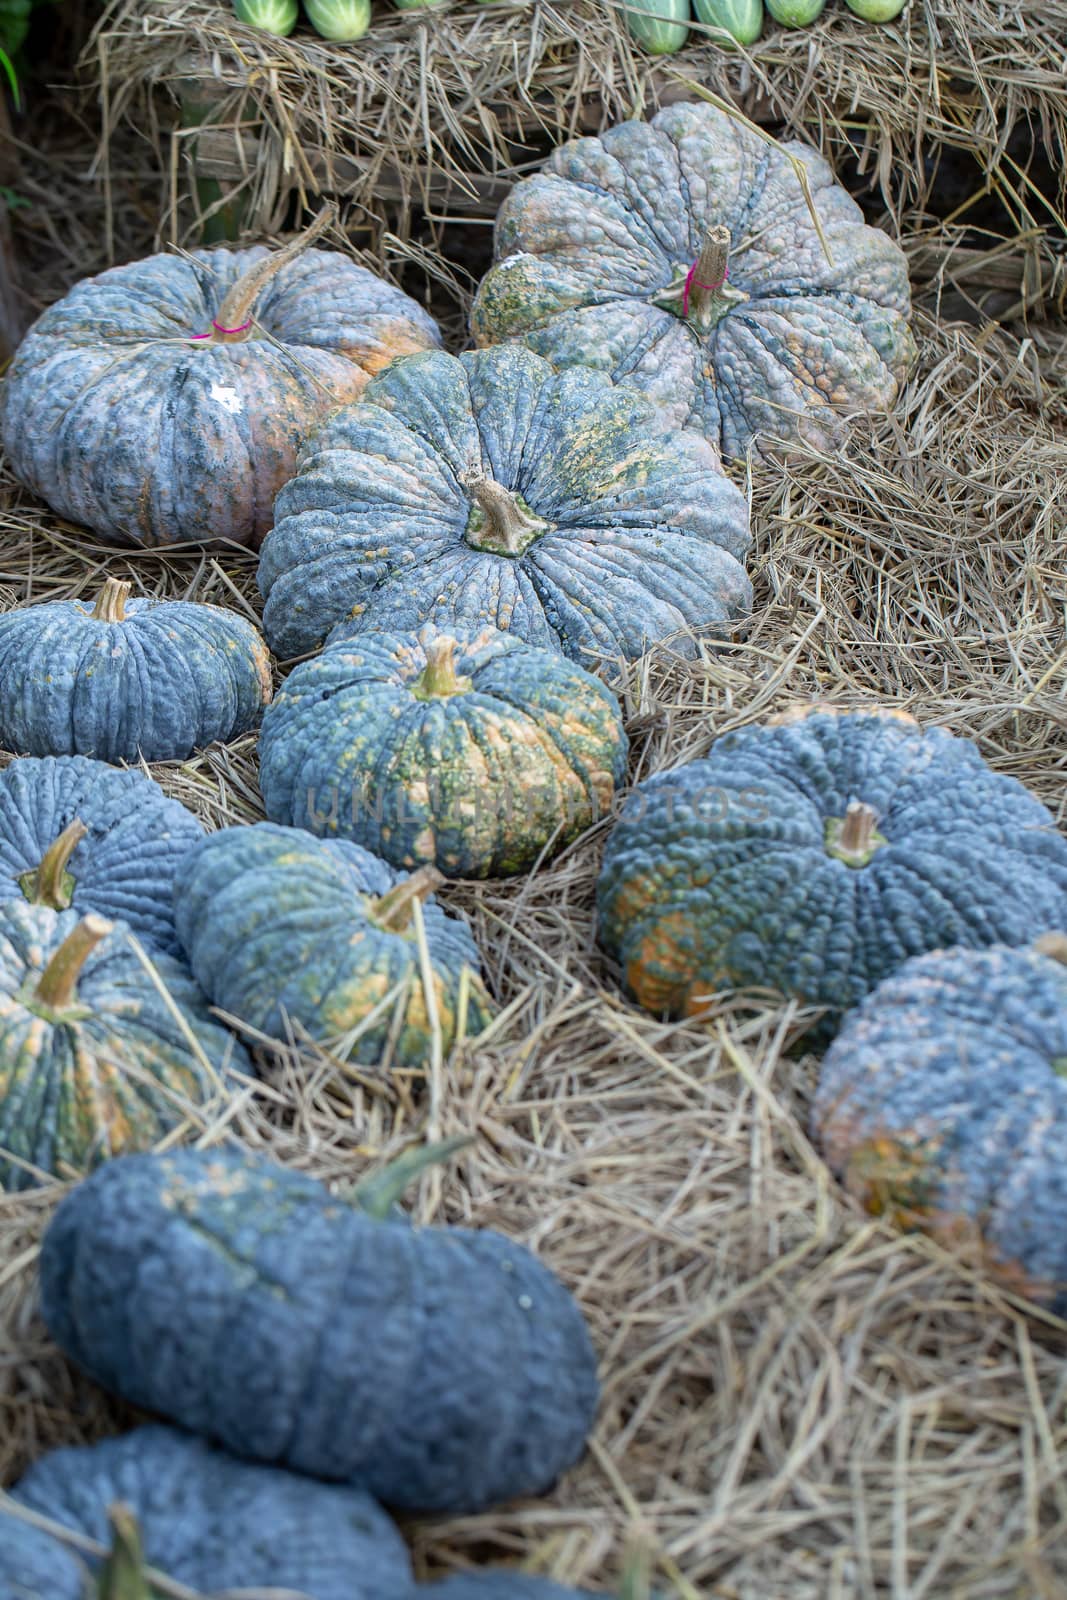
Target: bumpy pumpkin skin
<point>628,529</point>
<point>724,874</point>
<point>134,679</point>
<point>112,1070</point>
<point>125,865</point>
<point>117,416</point>
<point>943,1103</point>
<point>594,250</point>
<point>211,1523</point>
<point>499,1585</point>
<point>439,1369</point>
<point>280,930</point>
<point>473,756</point>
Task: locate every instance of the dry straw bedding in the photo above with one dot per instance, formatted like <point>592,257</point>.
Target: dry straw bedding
<point>797,1402</point>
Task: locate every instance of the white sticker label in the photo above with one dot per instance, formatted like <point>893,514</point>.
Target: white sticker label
<point>229,398</point>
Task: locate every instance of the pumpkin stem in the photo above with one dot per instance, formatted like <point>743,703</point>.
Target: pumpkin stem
<point>111,601</point>
<point>392,911</point>
<point>500,522</point>
<point>853,838</point>
<point>377,1195</point>
<point>50,884</point>
<point>703,295</point>
<point>122,1576</point>
<point>439,677</point>
<point>1053,945</point>
<point>236,309</point>
<point>57,987</point>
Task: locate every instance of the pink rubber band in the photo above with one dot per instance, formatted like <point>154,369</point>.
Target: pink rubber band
<point>218,329</point>
<point>693,282</point>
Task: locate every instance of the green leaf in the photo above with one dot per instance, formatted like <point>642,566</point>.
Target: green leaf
<point>9,72</point>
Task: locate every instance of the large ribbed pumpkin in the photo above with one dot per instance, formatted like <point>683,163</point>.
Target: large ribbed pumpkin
<point>942,1104</point>
<point>77,833</point>
<point>679,256</point>
<point>813,855</point>
<point>202,1519</point>
<point>294,936</point>
<point>491,489</point>
<point>96,1055</point>
<point>124,679</point>
<point>440,1369</point>
<point>166,400</point>
<point>475,756</point>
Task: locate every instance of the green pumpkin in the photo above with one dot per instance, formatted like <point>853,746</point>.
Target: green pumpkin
<point>297,936</point>
<point>125,679</point>
<point>476,756</point>
<point>942,1104</point>
<point>166,400</point>
<point>490,489</point>
<point>659,26</point>
<point>678,256</point>
<point>95,1058</point>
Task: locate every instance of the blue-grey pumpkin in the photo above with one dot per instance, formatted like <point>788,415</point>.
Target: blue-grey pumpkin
<point>128,679</point>
<point>476,755</point>
<point>98,1053</point>
<point>296,935</point>
<point>942,1103</point>
<point>440,1369</point>
<point>496,1583</point>
<point>204,1520</point>
<point>492,489</point>
<point>814,854</point>
<point>166,400</point>
<point>77,833</point>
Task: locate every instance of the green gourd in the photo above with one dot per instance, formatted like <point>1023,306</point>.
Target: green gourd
<point>340,20</point>
<point>659,26</point>
<point>796,13</point>
<point>877,10</point>
<point>269,16</point>
<point>741,19</point>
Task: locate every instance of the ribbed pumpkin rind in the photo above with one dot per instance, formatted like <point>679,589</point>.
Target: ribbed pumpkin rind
<point>125,867</point>
<point>122,1071</point>
<point>940,1102</point>
<point>584,246</point>
<point>274,923</point>
<point>171,677</point>
<point>648,534</point>
<point>439,1369</point>
<point>114,418</point>
<point>717,876</point>
<point>478,784</point>
<point>209,1522</point>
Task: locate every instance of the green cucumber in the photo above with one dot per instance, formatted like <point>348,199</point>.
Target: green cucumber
<point>271,16</point>
<point>340,20</point>
<point>741,19</point>
<point>795,13</point>
<point>659,26</point>
<point>877,10</point>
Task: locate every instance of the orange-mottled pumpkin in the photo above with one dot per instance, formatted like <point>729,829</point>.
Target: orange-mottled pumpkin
<point>166,400</point>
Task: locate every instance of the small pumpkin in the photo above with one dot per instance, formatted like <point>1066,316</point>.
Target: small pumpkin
<point>439,1369</point>
<point>167,399</point>
<point>679,257</point>
<point>126,679</point>
<point>473,756</point>
<point>162,1499</point>
<point>814,854</point>
<point>286,931</point>
<point>96,1056</point>
<point>942,1103</point>
<point>491,489</point>
<point>76,833</point>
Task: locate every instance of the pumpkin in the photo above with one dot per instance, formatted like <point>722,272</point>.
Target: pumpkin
<point>439,1369</point>
<point>741,19</point>
<point>289,933</point>
<point>679,257</point>
<point>474,756</point>
<point>491,489</point>
<point>499,1584</point>
<point>942,1104</point>
<point>96,1054</point>
<point>205,1521</point>
<point>660,26</point>
<point>814,854</point>
<point>167,399</point>
<point>77,833</point>
<point>123,679</point>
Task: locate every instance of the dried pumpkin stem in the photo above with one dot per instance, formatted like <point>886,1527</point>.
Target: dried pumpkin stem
<point>853,838</point>
<point>1053,945</point>
<point>393,911</point>
<point>439,677</point>
<point>237,307</point>
<point>122,1576</point>
<point>505,526</point>
<point>704,295</point>
<point>57,987</point>
<point>50,884</point>
<point>111,601</point>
